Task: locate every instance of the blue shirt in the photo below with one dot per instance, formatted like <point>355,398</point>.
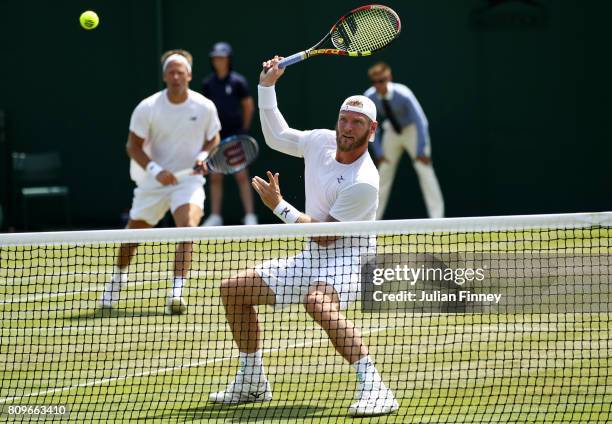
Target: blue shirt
<point>406,109</point>
<point>227,95</point>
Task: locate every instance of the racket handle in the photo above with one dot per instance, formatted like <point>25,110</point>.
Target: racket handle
<point>183,173</point>
<point>294,58</point>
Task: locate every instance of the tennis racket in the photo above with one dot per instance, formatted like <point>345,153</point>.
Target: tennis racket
<point>361,32</point>
<point>231,155</point>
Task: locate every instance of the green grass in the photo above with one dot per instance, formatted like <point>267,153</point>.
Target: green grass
<point>135,363</point>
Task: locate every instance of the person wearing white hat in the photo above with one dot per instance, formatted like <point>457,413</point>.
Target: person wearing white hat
<point>341,184</point>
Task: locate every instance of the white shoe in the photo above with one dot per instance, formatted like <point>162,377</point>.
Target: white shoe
<point>213,221</point>
<point>377,400</point>
<point>242,391</point>
<point>110,295</point>
<point>250,219</point>
<point>176,306</point>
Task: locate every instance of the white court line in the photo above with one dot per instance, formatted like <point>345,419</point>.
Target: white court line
<point>13,280</point>
<point>31,331</point>
<point>153,277</point>
<point>36,297</point>
<point>45,296</point>
<point>169,369</point>
<point>482,328</point>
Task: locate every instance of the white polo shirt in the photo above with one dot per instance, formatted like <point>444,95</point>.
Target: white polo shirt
<point>174,133</point>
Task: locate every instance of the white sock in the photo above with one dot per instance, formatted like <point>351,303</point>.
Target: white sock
<point>177,288</point>
<point>120,276</point>
<point>251,365</point>
<point>367,372</point>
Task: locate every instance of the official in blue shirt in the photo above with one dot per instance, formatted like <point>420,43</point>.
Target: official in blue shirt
<point>404,128</point>
<point>229,91</point>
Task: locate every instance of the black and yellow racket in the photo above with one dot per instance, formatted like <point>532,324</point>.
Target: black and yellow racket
<point>360,32</point>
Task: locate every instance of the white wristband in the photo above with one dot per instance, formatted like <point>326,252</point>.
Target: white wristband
<point>202,156</point>
<point>153,168</point>
<point>286,212</point>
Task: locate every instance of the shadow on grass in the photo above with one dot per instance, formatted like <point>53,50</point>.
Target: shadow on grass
<point>115,313</point>
<point>253,412</point>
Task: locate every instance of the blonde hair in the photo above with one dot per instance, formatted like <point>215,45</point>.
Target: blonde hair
<point>378,68</point>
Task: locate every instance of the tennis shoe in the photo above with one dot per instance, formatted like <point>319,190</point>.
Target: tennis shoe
<point>250,219</point>
<point>373,399</point>
<point>110,295</point>
<point>176,306</point>
<point>243,391</point>
<point>213,221</point>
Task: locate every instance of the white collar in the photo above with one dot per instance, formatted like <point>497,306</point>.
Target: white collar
<point>389,94</point>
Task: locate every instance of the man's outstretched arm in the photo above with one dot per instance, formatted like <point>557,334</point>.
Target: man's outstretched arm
<point>276,131</point>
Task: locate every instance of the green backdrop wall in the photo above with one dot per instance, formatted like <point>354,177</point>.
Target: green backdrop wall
<point>518,116</point>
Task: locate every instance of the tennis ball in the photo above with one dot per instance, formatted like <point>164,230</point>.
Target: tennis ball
<point>89,19</point>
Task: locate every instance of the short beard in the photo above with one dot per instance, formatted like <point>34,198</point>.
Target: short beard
<point>356,144</point>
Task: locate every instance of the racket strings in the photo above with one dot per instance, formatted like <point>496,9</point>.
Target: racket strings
<point>234,156</point>
<point>367,30</point>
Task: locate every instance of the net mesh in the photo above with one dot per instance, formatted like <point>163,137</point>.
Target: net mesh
<point>366,30</point>
<point>543,353</point>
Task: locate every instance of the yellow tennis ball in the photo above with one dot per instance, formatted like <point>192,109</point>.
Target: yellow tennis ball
<point>89,19</point>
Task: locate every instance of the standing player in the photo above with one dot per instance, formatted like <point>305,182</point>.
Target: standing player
<point>405,129</point>
<point>229,91</point>
<point>169,131</point>
<point>341,184</point>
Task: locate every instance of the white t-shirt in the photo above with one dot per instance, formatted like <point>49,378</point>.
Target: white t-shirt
<point>174,133</point>
<point>346,192</point>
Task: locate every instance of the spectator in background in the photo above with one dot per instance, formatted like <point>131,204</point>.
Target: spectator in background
<point>229,91</point>
<point>405,128</point>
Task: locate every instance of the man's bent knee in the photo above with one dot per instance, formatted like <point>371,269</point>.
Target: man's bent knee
<point>229,287</point>
<point>317,303</point>
<point>246,288</point>
<point>187,215</point>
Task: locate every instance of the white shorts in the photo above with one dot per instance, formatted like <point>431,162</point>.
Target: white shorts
<point>291,278</point>
<point>151,203</point>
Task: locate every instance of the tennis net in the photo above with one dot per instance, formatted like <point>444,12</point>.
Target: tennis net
<point>496,319</point>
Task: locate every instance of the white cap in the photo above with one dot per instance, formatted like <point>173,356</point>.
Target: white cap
<point>360,104</point>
